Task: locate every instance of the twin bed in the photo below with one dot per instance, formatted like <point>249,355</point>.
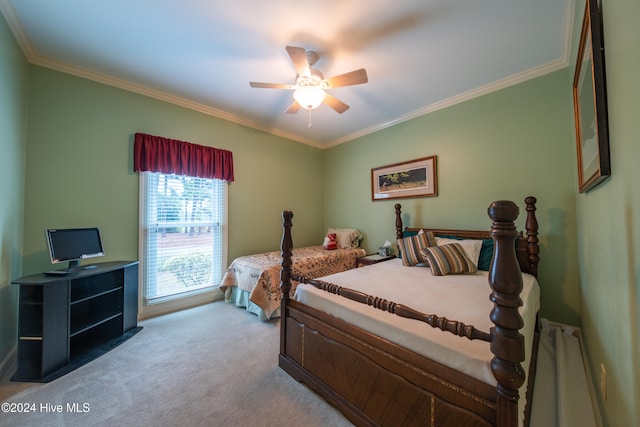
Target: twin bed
<point>253,281</point>
<point>367,342</point>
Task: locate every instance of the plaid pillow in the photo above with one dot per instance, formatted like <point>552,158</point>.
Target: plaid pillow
<point>448,259</point>
<point>410,247</point>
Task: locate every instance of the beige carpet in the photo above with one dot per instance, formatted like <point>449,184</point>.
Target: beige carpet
<point>214,365</point>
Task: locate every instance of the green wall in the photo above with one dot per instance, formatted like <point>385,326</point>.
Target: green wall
<point>79,168</point>
<point>78,171</point>
<point>609,228</point>
<point>509,144</point>
<point>13,109</point>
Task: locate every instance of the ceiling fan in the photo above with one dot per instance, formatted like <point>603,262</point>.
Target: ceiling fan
<point>310,87</point>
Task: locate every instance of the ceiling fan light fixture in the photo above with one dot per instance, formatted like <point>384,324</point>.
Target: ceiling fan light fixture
<point>310,89</point>
<point>309,97</point>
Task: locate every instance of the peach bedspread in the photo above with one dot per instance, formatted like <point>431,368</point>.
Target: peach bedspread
<point>259,274</point>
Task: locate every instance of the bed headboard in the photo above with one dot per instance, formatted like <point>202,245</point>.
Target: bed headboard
<point>527,248</point>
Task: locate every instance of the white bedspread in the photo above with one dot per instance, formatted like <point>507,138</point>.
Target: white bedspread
<point>457,297</point>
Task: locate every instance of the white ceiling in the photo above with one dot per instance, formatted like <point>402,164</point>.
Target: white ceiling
<point>420,55</point>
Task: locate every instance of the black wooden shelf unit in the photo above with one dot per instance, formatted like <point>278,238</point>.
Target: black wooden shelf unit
<point>67,321</point>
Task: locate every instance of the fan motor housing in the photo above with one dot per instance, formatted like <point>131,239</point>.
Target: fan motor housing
<point>316,79</point>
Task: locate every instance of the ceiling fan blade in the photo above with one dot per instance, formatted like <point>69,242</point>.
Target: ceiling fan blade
<point>271,85</point>
<point>299,57</point>
<point>336,104</point>
<point>293,108</point>
<point>347,79</point>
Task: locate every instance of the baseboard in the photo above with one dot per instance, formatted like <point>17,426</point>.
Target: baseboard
<point>153,310</point>
<point>577,332</point>
<point>8,364</point>
<point>592,391</point>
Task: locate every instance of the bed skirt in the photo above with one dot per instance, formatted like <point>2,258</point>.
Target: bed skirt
<point>241,299</point>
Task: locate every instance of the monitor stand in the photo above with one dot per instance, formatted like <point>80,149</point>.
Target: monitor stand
<point>74,265</point>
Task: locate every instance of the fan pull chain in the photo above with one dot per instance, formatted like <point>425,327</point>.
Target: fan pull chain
<point>309,125</point>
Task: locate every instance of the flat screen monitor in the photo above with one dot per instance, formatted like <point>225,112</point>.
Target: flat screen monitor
<point>74,244</point>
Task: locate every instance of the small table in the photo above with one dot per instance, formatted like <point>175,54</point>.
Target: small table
<point>372,259</point>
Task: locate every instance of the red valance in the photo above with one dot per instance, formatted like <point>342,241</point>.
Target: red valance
<point>170,156</point>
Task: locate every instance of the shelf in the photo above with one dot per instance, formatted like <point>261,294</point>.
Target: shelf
<point>32,295</point>
<point>80,324</point>
<point>32,302</point>
<point>92,286</point>
<point>29,360</point>
<point>87,350</point>
<point>92,296</point>
<point>31,320</point>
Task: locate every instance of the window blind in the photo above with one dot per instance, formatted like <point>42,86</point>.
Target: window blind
<point>182,235</point>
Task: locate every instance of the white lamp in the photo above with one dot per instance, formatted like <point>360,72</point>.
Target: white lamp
<point>309,97</point>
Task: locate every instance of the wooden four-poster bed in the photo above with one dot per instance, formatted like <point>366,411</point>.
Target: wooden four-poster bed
<point>378,379</point>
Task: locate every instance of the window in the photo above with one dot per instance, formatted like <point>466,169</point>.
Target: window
<point>182,240</point>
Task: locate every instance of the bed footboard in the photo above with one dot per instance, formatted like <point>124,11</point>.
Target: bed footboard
<point>375,382</point>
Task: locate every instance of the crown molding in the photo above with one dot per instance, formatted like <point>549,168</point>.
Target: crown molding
<point>13,21</point>
<point>165,97</point>
<point>11,17</point>
<point>6,8</point>
<point>457,99</point>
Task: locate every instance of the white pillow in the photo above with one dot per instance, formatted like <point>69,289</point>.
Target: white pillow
<point>346,237</point>
<point>471,247</point>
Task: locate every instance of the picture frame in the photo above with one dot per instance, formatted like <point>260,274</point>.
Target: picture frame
<point>590,103</point>
<point>414,178</point>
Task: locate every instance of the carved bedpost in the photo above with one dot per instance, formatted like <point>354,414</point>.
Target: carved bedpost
<point>285,274</point>
<point>398,222</point>
<point>507,343</point>
<point>531,226</point>
<point>287,247</point>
